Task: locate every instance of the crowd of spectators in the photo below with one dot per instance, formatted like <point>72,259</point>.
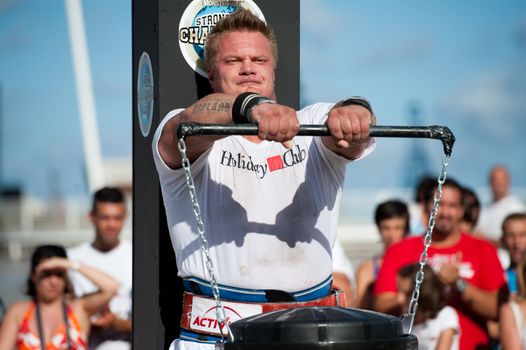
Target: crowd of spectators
<point>474,287</point>
<point>77,298</point>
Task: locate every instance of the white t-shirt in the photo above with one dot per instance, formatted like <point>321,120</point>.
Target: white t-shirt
<point>492,215</point>
<point>428,333</point>
<point>118,264</point>
<point>270,213</point>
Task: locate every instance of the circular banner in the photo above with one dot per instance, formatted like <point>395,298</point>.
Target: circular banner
<point>198,20</point>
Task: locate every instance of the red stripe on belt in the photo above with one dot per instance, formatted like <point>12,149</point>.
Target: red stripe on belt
<point>335,298</point>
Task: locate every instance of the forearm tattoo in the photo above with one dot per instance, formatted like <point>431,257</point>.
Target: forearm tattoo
<point>213,106</point>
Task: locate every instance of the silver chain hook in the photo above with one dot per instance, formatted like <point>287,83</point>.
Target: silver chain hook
<point>409,317</point>
<point>220,310</point>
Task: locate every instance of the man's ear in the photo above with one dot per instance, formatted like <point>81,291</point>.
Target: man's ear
<point>91,216</point>
<point>211,76</point>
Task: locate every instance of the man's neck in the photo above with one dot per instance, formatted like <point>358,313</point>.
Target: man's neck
<point>103,247</point>
<point>445,240</point>
<point>496,199</point>
<point>49,303</point>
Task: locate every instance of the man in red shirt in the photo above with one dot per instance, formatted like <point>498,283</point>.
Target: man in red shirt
<point>468,266</point>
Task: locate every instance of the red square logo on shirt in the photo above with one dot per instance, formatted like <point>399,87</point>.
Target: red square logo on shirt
<point>275,163</point>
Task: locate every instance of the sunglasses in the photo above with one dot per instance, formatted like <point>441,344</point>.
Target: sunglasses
<point>49,273</point>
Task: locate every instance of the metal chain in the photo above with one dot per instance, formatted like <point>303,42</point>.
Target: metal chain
<point>220,310</point>
<point>419,278</point>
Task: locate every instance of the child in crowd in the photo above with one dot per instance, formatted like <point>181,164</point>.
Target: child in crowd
<point>392,220</point>
<point>435,325</point>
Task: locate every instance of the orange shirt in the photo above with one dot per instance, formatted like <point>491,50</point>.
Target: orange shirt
<point>28,340</point>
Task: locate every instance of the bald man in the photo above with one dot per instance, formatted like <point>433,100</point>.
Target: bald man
<point>503,204</point>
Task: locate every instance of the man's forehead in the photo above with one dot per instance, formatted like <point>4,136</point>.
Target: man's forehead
<point>516,226</point>
<point>451,194</point>
<point>231,38</point>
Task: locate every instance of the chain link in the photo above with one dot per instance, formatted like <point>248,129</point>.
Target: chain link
<point>220,310</point>
<point>419,278</point>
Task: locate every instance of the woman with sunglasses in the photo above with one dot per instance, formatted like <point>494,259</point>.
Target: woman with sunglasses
<point>53,319</point>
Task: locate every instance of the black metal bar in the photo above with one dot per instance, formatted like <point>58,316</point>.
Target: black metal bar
<point>431,132</point>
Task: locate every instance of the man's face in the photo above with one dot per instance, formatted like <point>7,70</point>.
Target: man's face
<point>450,211</point>
<point>108,220</point>
<point>244,62</point>
<point>515,239</point>
<point>500,183</point>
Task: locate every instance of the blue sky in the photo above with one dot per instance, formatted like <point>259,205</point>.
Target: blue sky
<point>461,62</point>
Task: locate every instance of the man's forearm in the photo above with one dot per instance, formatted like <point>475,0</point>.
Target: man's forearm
<point>482,302</point>
<point>122,325</point>
<point>387,303</point>
<point>214,108</point>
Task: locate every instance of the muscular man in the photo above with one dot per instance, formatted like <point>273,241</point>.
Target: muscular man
<point>270,202</point>
<point>467,265</point>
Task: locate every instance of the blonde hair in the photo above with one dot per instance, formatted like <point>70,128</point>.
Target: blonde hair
<point>240,20</point>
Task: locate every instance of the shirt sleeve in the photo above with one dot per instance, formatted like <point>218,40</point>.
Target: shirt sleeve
<point>492,273</point>
<point>173,181</point>
<point>386,280</point>
<point>448,319</point>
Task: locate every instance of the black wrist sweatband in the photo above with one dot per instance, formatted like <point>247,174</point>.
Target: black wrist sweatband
<point>358,101</point>
<point>244,104</point>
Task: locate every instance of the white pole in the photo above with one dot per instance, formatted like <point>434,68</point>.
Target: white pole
<point>86,101</point>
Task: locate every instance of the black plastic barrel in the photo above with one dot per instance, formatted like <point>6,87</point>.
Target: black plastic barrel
<point>328,328</point>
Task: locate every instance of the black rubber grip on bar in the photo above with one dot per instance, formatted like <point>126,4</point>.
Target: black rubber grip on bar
<point>430,132</point>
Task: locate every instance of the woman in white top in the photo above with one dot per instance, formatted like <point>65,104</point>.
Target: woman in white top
<point>512,316</point>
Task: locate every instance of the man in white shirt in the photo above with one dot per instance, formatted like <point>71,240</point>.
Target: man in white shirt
<point>269,202</point>
<point>503,204</point>
<point>111,329</point>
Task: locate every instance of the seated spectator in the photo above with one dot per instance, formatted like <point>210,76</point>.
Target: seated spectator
<point>392,221</point>
<point>467,266</point>
<point>53,318</point>
<point>512,317</point>
<point>343,273</point>
<point>436,324</point>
